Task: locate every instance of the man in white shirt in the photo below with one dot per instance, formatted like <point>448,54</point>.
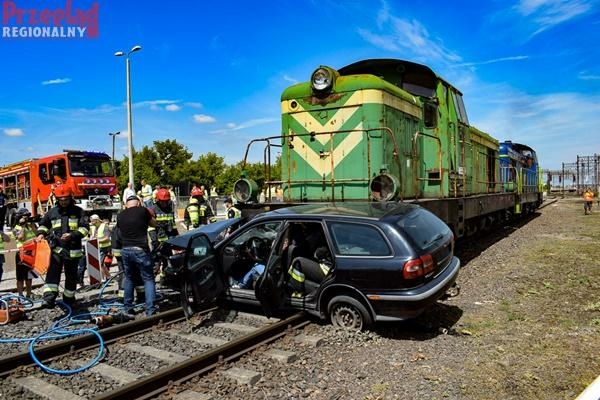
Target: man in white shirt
<point>128,192</point>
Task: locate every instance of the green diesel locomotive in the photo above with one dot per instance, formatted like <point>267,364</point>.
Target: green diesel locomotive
<point>391,130</point>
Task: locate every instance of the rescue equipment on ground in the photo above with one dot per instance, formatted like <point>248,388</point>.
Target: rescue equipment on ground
<point>10,310</point>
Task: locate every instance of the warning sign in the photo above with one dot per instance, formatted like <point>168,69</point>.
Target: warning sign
<point>92,255</point>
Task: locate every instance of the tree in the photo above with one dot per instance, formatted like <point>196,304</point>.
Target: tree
<point>226,179</point>
<point>173,160</point>
<point>206,169</point>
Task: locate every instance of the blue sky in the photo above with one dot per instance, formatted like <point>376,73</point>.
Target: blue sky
<point>210,74</point>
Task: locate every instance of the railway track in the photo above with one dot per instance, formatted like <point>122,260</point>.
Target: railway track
<point>142,358</point>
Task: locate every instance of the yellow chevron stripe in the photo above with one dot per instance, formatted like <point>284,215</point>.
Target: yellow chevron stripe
<point>326,164</point>
<point>367,96</point>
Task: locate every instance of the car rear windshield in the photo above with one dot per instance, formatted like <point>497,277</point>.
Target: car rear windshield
<point>423,227</point>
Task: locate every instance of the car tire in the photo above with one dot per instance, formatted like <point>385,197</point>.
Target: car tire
<point>348,313</point>
<point>187,299</point>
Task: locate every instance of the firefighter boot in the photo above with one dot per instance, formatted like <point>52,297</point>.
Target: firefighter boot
<point>70,301</point>
<point>49,301</point>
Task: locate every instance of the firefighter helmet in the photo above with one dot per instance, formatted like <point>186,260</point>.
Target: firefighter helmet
<point>197,192</point>
<point>63,191</point>
<point>163,195</point>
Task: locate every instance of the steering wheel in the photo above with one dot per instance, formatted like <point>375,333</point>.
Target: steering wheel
<point>257,245</point>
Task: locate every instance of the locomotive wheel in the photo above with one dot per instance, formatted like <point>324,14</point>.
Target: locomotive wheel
<point>348,313</point>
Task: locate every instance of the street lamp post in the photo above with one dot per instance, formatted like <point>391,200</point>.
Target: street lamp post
<point>113,134</point>
<point>129,120</point>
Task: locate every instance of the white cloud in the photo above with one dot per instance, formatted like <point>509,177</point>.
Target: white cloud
<point>14,132</point>
<point>56,81</point>
<point>194,104</point>
<point>203,119</point>
<point>288,78</point>
<point>586,76</point>
<point>401,36</point>
<point>251,123</point>
<point>493,61</point>
<point>172,107</point>
<point>545,14</point>
<point>156,104</point>
<point>548,123</point>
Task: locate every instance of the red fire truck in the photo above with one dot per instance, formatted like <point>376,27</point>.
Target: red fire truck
<point>89,174</point>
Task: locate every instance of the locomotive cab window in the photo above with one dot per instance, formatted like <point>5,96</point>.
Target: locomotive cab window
<point>430,115</point>
<point>459,107</point>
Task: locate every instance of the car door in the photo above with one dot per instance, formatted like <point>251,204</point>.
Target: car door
<point>202,280</point>
<point>270,288</point>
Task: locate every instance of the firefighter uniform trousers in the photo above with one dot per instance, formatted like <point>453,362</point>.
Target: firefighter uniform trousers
<point>53,224</point>
<point>57,262</point>
<point>305,275</point>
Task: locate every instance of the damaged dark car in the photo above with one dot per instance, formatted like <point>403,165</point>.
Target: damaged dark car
<point>352,264</point>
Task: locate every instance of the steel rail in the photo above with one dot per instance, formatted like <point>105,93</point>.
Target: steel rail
<point>90,341</point>
<point>153,385</point>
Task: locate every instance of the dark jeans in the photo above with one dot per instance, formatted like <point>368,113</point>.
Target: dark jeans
<point>138,261</point>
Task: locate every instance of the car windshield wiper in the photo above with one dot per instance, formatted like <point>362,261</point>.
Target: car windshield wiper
<point>434,239</point>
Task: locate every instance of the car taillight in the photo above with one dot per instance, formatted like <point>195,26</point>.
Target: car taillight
<point>418,267</point>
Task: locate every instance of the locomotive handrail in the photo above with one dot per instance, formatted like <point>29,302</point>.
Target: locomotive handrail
<point>464,174</point>
<point>332,180</point>
<point>414,155</point>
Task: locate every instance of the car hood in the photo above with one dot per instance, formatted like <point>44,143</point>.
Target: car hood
<point>211,230</point>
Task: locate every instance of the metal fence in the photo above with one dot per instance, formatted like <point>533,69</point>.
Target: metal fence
<point>575,177</point>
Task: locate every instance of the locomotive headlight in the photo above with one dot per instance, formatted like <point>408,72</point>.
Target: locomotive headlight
<point>245,190</point>
<point>384,187</point>
<point>322,79</point>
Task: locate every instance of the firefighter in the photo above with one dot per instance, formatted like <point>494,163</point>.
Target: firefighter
<point>230,210</point>
<point>165,219</point>
<point>63,226</point>
<point>191,216</point>
<point>306,274</point>
<point>196,192</point>
<point>23,231</point>
<point>197,213</point>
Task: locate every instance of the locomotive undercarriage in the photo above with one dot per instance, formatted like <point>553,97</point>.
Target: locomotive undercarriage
<point>469,215</point>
